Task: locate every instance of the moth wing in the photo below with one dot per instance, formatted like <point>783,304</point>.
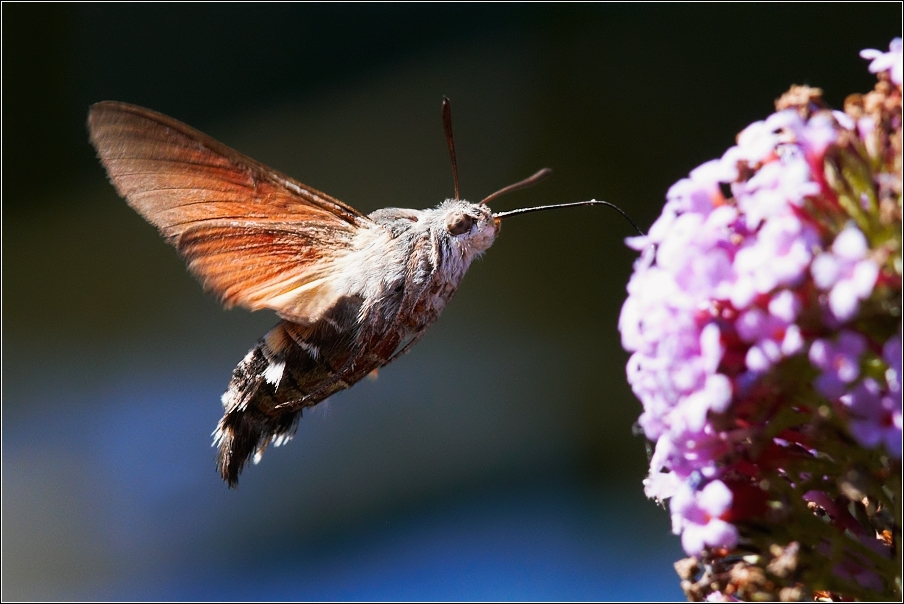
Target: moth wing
<point>254,236</point>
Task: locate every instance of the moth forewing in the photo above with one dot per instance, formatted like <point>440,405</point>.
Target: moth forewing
<point>250,234</point>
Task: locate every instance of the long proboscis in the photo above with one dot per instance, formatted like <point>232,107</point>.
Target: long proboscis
<point>591,202</point>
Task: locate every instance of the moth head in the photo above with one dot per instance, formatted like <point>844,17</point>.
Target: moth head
<point>471,225</point>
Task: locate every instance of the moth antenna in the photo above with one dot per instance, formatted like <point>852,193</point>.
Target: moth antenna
<point>521,184</point>
<point>592,202</point>
<point>447,126</point>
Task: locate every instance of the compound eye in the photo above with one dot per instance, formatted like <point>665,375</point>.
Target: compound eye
<point>459,224</point>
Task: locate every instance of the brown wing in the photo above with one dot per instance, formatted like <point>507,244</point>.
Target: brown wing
<point>254,236</point>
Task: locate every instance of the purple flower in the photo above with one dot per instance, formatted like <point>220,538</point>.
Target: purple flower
<point>839,362</point>
<point>778,255</point>
<point>776,185</point>
<point>875,416</point>
<point>734,302</point>
<point>876,409</point>
<point>772,331</point>
<point>661,485</point>
<point>891,354</point>
<point>695,516</point>
<point>890,61</point>
<point>846,273</point>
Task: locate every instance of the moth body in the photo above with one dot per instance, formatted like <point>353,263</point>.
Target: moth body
<point>393,283</point>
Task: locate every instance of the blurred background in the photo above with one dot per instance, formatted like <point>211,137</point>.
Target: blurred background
<point>496,460</point>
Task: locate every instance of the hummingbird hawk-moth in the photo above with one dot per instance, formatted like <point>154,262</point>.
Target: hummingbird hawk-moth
<point>353,291</point>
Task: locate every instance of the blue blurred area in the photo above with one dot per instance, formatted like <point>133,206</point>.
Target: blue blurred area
<point>495,461</point>
<point>544,543</point>
<point>129,489</point>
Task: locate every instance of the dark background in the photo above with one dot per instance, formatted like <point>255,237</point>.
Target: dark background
<point>496,460</point>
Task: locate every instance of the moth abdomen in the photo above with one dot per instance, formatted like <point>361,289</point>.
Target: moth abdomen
<point>251,420</point>
<point>245,433</point>
<point>290,368</point>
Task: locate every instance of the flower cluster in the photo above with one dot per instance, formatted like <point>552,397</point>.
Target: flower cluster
<point>764,318</point>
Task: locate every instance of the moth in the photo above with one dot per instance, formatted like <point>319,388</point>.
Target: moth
<point>353,291</point>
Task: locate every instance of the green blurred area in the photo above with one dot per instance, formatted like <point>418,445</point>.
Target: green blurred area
<point>523,376</point>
